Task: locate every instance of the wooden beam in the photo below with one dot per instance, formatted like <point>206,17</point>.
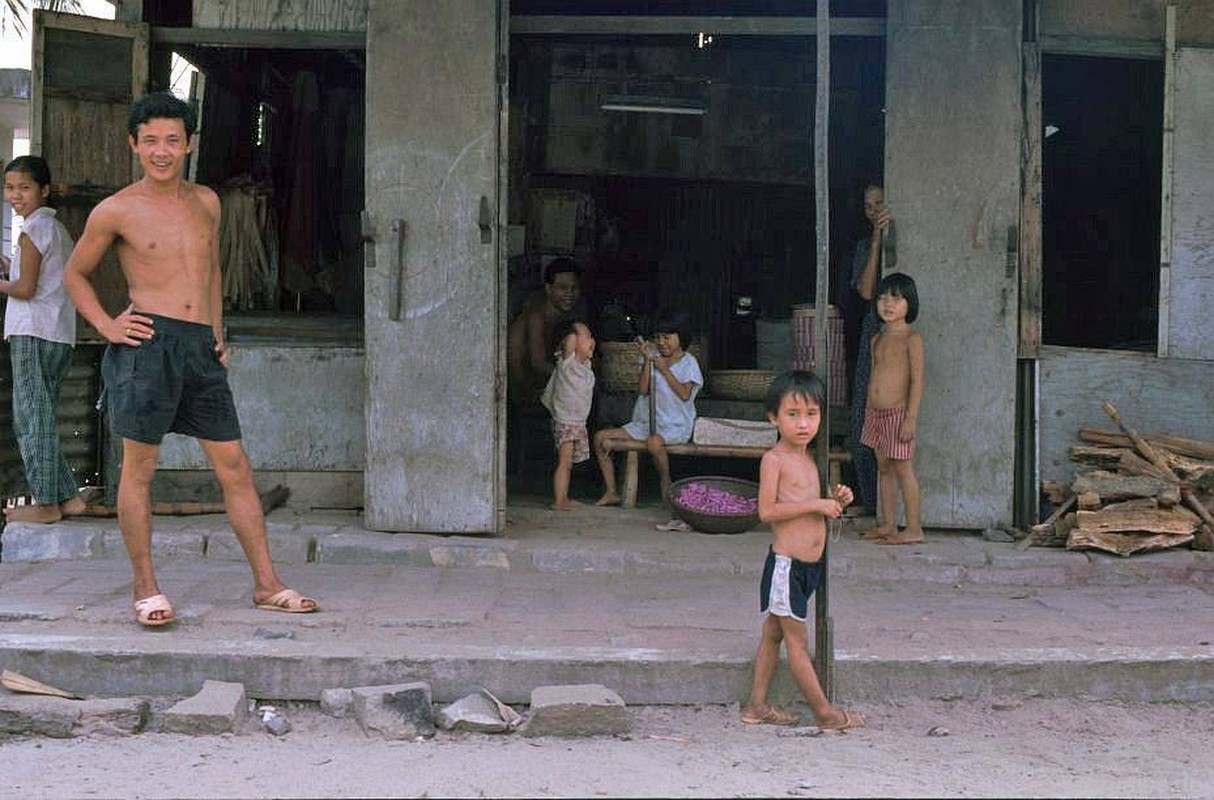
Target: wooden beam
<point>1151,49</point>
<point>1030,205</point>
<point>676,26</point>
<point>1164,329</point>
<point>824,647</point>
<point>278,40</point>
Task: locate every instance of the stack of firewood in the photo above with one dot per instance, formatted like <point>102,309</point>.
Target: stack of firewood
<point>1132,493</point>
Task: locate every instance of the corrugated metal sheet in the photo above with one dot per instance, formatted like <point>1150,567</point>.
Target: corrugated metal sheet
<point>80,427</point>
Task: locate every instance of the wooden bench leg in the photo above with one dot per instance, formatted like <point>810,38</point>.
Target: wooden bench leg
<point>629,485</point>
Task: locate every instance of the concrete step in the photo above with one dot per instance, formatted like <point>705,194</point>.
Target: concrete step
<point>607,541</point>
<point>654,637</point>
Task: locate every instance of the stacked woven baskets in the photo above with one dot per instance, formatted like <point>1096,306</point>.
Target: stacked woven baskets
<point>740,384</point>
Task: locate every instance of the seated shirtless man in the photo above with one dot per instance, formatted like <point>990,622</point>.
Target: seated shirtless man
<point>530,342</point>
<point>165,369</point>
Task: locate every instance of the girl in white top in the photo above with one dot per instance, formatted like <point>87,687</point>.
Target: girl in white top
<point>568,397</point>
<point>40,328</point>
<point>677,381</point>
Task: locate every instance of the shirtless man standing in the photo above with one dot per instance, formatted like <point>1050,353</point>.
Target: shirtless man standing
<point>165,369</point>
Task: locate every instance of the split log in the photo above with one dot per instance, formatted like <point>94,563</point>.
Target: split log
<point>1169,497</point>
<point>1137,520</point>
<point>1098,457</point>
<point>1193,448</point>
<point>1054,492</point>
<point>1052,532</point>
<point>1205,537</point>
<point>1088,501</point>
<point>1125,544</point>
<point>1139,504</point>
<point>1111,486</point>
<point>1199,473</point>
<point>1133,464</point>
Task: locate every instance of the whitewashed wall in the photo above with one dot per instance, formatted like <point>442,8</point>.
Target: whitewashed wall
<point>282,15</point>
<point>301,409</point>
<point>1191,288</point>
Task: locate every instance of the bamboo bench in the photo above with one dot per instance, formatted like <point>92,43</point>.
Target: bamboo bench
<point>632,447</point>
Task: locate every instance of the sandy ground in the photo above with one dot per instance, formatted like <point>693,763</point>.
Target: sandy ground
<point>992,748</point>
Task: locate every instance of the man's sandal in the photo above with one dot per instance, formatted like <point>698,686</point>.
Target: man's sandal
<point>145,608</point>
<point>289,601</point>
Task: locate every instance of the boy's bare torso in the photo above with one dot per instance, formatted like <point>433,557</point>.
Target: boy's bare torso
<point>889,385</point>
<point>166,246</point>
<point>801,538</point>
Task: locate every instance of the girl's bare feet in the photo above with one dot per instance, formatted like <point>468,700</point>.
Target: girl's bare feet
<point>908,536</point>
<point>881,532</point>
<point>564,505</point>
<point>608,499</point>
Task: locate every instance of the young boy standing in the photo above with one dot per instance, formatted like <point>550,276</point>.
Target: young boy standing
<point>894,392</point>
<point>790,499</point>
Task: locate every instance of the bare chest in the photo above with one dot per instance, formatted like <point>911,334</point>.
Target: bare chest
<point>180,232</point>
<point>889,348</point>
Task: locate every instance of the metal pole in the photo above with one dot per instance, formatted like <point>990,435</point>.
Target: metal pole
<point>823,634</point>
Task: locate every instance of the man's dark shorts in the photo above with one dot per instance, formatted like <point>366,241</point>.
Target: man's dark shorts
<point>172,382</point>
<point>787,585</point>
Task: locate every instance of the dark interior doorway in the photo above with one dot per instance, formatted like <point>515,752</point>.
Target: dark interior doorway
<point>1101,176</point>
<point>697,211</point>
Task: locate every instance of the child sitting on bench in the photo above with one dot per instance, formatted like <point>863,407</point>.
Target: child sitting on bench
<point>676,382</point>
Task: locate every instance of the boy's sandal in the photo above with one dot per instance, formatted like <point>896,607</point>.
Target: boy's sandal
<point>850,721</point>
<point>773,716</point>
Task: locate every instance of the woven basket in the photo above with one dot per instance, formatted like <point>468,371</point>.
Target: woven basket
<point>618,364</point>
<point>740,384</point>
<point>706,522</point>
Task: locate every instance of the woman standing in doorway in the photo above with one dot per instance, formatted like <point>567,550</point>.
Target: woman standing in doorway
<point>873,255</point>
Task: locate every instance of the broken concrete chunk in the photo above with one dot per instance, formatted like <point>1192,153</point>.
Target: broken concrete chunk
<point>578,710</point>
<point>478,712</point>
<point>61,719</point>
<point>395,711</point>
<point>219,708</point>
<point>39,716</point>
<point>116,716</point>
<point>336,702</point>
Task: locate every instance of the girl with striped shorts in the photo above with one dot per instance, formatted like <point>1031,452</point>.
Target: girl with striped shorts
<point>892,409</point>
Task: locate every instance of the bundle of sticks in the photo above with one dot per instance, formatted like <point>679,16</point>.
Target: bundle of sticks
<point>1135,493</point>
<point>243,259</point>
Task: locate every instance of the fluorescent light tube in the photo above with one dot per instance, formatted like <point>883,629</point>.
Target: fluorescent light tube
<point>653,105</point>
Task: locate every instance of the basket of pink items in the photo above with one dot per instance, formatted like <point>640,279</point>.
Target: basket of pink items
<point>716,504</point>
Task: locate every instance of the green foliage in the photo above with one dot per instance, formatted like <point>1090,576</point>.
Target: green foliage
<point>14,13</point>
